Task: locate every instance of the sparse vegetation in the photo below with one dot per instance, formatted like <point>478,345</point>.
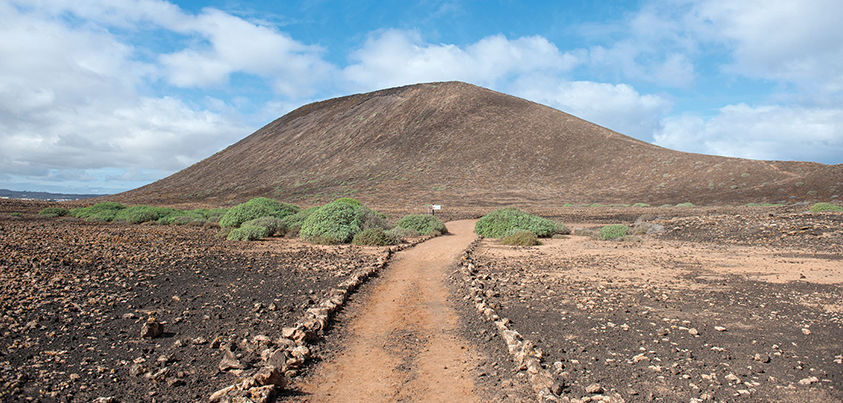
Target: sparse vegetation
<point>16,214</point>
<point>256,208</point>
<point>521,238</point>
<point>373,237</point>
<point>422,224</point>
<point>824,207</point>
<point>104,211</point>
<point>273,225</point>
<point>507,221</point>
<point>247,233</point>
<point>685,205</point>
<point>142,214</point>
<point>614,231</point>
<point>640,205</point>
<point>54,212</point>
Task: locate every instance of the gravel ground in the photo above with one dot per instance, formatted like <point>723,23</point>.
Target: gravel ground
<point>681,316</point>
<point>76,295</point>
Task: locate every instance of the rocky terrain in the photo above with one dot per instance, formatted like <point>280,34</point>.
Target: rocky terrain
<point>714,308</point>
<point>77,297</point>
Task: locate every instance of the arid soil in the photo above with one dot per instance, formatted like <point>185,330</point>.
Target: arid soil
<point>714,304</point>
<point>75,296</point>
<point>720,308</point>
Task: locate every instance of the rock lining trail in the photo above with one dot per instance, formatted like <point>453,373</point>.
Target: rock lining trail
<point>405,345</point>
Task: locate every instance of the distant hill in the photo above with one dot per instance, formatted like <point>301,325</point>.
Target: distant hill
<point>462,145</point>
<point>12,194</point>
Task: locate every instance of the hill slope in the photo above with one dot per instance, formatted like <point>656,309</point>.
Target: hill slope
<point>462,145</point>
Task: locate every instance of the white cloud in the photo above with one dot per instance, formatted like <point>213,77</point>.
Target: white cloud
<point>70,103</point>
<point>396,57</point>
<point>777,39</point>
<point>769,132</point>
<point>236,45</point>
<point>618,107</point>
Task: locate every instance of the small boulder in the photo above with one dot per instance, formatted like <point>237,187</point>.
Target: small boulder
<point>151,329</point>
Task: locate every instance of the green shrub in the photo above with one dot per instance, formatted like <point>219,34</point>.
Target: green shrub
<point>256,208</point>
<point>640,205</point>
<point>16,214</point>
<point>104,211</point>
<point>273,225</point>
<point>54,212</point>
<point>614,231</point>
<point>422,224</point>
<point>248,233</point>
<point>821,207</point>
<point>293,222</point>
<point>332,223</point>
<point>400,234</point>
<point>338,222</point>
<point>521,238</point>
<point>373,237</point>
<point>506,221</point>
<point>212,215</point>
<point>685,205</point>
<point>183,217</point>
<point>142,214</point>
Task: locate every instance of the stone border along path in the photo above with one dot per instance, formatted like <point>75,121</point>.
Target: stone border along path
<point>524,352</point>
<point>290,350</point>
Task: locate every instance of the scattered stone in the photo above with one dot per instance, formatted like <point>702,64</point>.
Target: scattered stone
<point>229,361</point>
<point>151,329</point>
<point>270,376</point>
<point>594,388</point>
<point>806,331</point>
<point>764,358</point>
<point>720,328</point>
<point>809,381</point>
<point>693,331</point>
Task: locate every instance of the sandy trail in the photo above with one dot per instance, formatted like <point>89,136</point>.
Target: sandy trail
<point>405,346</point>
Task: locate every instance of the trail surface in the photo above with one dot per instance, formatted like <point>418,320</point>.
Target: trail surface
<point>405,345</point>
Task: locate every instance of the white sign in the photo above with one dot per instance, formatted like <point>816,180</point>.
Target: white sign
<point>436,206</point>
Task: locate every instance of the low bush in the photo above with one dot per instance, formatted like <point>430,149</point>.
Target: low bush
<point>521,238</point>
<point>640,205</point>
<point>509,220</point>
<point>273,225</point>
<point>349,200</point>
<point>400,234</point>
<point>685,205</point>
<point>104,211</point>
<point>373,237</point>
<point>338,222</point>
<point>142,214</point>
<point>822,207</point>
<point>54,212</point>
<point>614,231</point>
<point>16,214</point>
<point>422,224</point>
<point>248,233</point>
<point>256,208</point>
<point>294,222</point>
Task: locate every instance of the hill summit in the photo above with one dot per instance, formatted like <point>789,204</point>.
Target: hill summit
<point>462,145</point>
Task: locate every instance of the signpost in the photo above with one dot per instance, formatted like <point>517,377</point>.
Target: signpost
<point>431,209</point>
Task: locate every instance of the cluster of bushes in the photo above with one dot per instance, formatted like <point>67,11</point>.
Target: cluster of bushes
<point>113,211</point>
<point>344,220</point>
<point>516,227</point>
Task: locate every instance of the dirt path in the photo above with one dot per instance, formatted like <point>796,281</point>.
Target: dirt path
<point>405,345</point>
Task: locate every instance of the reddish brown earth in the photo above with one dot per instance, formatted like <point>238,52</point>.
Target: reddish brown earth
<point>468,147</point>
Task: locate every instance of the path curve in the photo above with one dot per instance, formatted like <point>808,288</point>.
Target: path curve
<point>405,345</point>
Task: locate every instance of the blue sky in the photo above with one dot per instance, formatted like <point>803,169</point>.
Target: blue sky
<point>103,96</point>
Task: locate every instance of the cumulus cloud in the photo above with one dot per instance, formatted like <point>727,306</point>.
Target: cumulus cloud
<point>235,45</point>
<point>397,57</point>
<point>769,132</point>
<point>70,105</point>
<point>616,106</point>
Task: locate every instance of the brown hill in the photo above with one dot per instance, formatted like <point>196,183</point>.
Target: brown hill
<point>462,145</point>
